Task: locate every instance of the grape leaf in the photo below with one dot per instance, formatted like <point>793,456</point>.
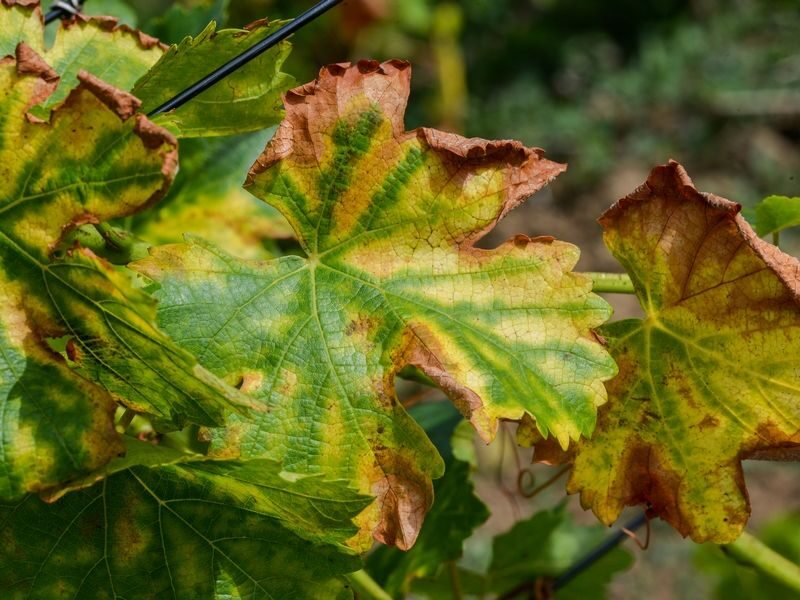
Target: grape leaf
<point>207,200</point>
<point>20,21</point>
<point>114,53</point>
<point>391,277</point>
<point>184,530</point>
<point>776,213</point>
<point>454,516</point>
<point>248,100</point>
<point>709,377</point>
<point>57,175</point>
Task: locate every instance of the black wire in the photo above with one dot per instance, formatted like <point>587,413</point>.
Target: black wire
<point>598,552</point>
<point>245,57</point>
<point>57,13</point>
<point>52,15</point>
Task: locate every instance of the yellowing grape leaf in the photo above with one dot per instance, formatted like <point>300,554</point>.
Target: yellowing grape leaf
<point>207,200</point>
<point>388,220</point>
<point>114,53</point>
<point>191,529</point>
<point>94,161</point>
<point>711,376</point>
<point>20,21</point>
<point>249,100</point>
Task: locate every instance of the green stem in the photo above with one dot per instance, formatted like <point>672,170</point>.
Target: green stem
<point>366,587</point>
<point>776,239</point>
<point>455,581</point>
<point>611,283</point>
<point>126,419</point>
<point>116,239</point>
<point>749,550</point>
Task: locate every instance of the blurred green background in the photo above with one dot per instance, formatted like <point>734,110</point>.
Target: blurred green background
<point>612,88</point>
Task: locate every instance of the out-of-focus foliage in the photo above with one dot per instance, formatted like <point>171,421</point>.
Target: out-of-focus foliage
<point>715,91</point>
<point>739,582</point>
<point>776,213</point>
<point>532,553</point>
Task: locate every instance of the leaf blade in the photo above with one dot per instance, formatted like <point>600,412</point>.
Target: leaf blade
<point>687,406</point>
<point>319,339</point>
<point>184,529</point>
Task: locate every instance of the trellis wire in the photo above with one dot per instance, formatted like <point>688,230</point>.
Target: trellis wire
<point>599,551</point>
<point>62,9</point>
<point>66,8</point>
<point>245,57</point>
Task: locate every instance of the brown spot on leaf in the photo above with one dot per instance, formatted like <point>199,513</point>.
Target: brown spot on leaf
<point>73,350</point>
<point>709,422</point>
<point>360,326</point>
<point>251,382</point>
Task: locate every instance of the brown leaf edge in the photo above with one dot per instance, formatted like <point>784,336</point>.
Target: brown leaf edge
<point>106,23</point>
<point>23,4</point>
<point>672,180</point>
<point>531,170</point>
<point>389,84</point>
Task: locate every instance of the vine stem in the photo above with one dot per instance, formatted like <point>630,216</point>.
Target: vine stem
<point>126,419</point>
<point>749,550</point>
<point>113,238</point>
<point>611,283</point>
<point>366,587</point>
<point>455,581</point>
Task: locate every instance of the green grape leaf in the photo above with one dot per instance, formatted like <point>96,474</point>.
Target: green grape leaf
<point>546,545</point>
<point>391,277</point>
<point>58,175</point>
<point>183,530</point>
<point>776,213</point>
<point>248,100</point>
<point>116,54</point>
<point>454,516</point>
<point>709,377</point>
<point>207,200</point>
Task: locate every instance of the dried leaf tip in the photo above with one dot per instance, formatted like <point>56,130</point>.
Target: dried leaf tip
<point>30,63</point>
<point>121,103</point>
